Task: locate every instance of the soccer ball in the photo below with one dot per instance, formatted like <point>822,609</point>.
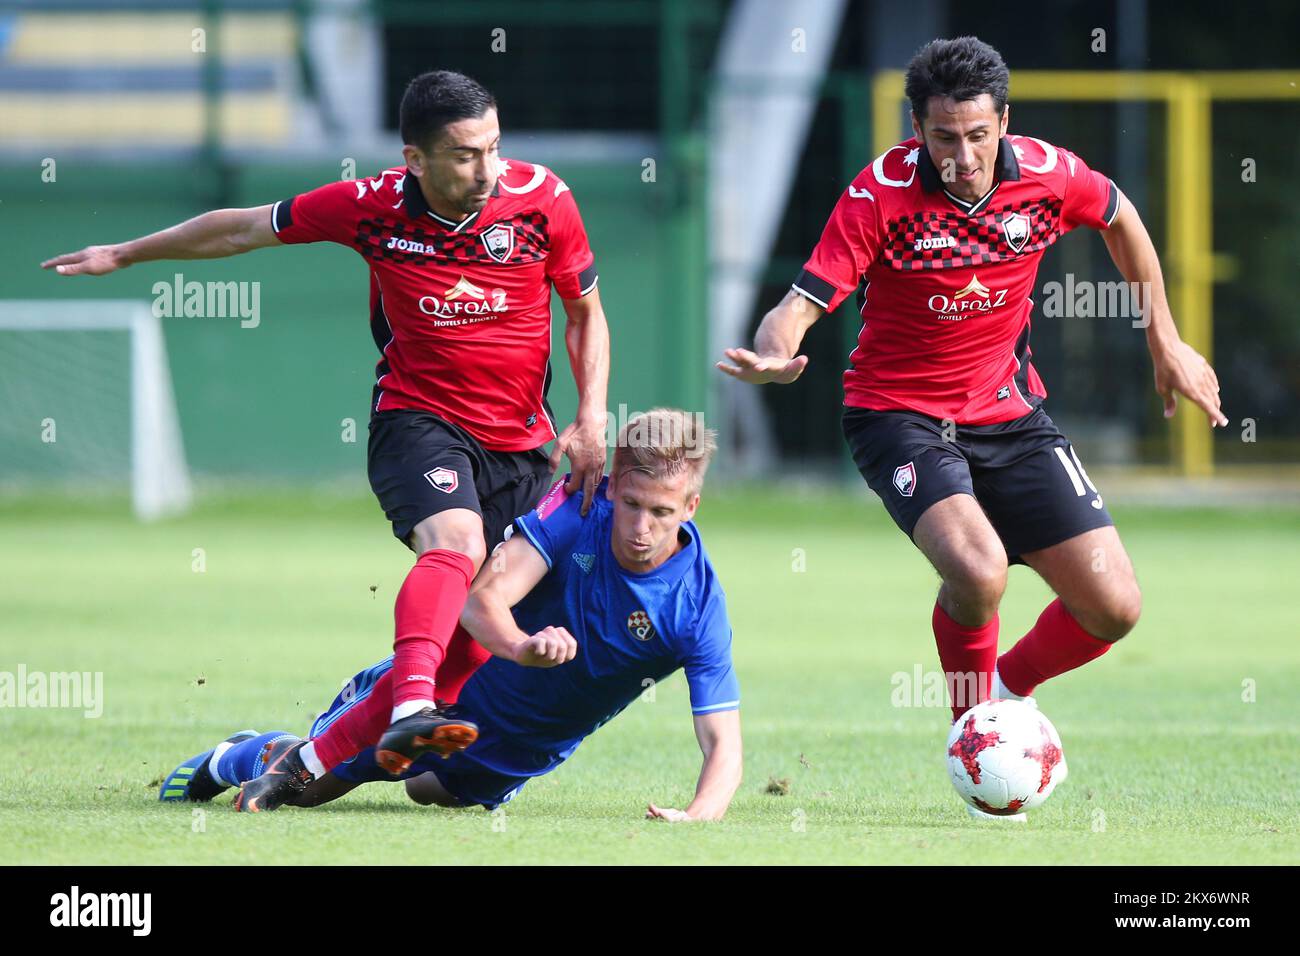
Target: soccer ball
<point>1004,757</point>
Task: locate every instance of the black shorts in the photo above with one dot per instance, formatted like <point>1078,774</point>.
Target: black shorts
<point>1024,473</point>
<point>421,465</point>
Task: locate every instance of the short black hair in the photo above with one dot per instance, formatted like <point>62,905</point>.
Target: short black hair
<point>432,100</point>
<point>963,68</point>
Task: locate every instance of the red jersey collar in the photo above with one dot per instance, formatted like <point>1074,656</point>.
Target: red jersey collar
<point>1005,167</point>
<point>418,208</point>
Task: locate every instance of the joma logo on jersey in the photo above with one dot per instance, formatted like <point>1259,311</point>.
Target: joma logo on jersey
<point>463,299</point>
<point>935,242</point>
<point>408,245</point>
<point>975,299</point>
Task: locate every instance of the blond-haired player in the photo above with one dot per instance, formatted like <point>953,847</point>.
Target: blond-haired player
<point>580,616</point>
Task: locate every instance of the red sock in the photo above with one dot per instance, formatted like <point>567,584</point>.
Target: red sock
<point>968,655</point>
<point>428,609</point>
<point>358,727</point>
<point>464,656</point>
<point>363,723</point>
<point>1056,644</point>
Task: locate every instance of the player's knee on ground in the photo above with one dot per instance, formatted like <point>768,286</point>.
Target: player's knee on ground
<point>427,791</point>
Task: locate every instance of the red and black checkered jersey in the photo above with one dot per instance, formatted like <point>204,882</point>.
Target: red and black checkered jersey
<point>460,311</point>
<point>946,306</point>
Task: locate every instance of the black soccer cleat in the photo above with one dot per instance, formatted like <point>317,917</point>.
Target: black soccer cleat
<point>428,731</point>
<point>284,778</point>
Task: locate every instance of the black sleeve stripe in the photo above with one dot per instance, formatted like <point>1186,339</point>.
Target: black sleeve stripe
<point>587,278</point>
<point>815,288</point>
<point>1112,203</point>
<point>282,214</point>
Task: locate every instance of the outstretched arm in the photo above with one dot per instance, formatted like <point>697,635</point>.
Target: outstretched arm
<point>719,737</point>
<point>776,344</point>
<point>586,336</point>
<point>511,572</point>
<point>213,235</point>
<point>1179,368</point>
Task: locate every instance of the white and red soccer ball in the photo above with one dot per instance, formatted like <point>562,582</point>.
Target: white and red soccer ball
<point>1004,757</point>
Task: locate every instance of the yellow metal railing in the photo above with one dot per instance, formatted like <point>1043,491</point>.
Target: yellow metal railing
<point>1189,255</point>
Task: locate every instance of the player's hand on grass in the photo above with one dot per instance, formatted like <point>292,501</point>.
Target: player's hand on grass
<point>1184,371</point>
<point>90,261</point>
<point>759,370</point>
<point>667,813</point>
<point>584,443</point>
<point>549,647</point>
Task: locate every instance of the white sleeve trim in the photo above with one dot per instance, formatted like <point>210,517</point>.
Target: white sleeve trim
<point>808,295</point>
<point>729,705</point>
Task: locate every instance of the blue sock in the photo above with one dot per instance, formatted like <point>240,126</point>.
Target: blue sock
<point>242,762</point>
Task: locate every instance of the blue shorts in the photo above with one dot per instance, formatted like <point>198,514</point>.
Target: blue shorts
<point>488,773</point>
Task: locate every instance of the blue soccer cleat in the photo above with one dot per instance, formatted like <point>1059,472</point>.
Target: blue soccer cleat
<point>192,781</point>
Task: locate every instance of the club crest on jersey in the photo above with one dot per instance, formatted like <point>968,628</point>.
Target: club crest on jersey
<point>499,241</point>
<point>1016,229</point>
<point>444,479</point>
<point>638,622</point>
<point>905,479</point>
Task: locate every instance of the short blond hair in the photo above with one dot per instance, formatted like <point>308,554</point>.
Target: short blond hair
<point>664,442</point>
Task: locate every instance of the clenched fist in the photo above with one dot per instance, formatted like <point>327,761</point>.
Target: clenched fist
<point>549,647</point>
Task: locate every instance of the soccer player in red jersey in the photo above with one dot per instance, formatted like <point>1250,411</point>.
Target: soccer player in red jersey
<point>943,410</point>
<point>463,249</point>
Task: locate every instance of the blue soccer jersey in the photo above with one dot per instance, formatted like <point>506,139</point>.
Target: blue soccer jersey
<point>632,630</point>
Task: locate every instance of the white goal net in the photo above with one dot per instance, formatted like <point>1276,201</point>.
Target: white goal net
<point>86,402</point>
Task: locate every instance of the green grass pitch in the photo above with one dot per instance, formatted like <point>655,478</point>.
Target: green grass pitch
<point>1181,743</point>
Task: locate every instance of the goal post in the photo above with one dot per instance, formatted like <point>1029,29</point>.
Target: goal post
<point>34,367</point>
